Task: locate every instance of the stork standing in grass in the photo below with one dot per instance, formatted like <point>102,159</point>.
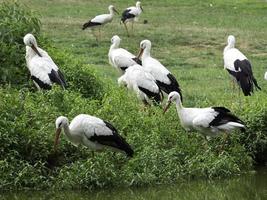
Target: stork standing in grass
<point>91,132</point>
<point>44,72</point>
<point>100,20</point>
<point>211,121</point>
<point>142,83</point>
<point>120,58</point>
<point>131,14</point>
<point>165,80</point>
<point>237,64</point>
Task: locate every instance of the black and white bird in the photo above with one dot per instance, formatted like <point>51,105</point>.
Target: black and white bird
<point>92,132</point>
<point>211,121</point>
<point>131,14</point>
<point>237,64</point>
<point>165,80</point>
<point>120,58</point>
<point>44,72</point>
<point>100,20</point>
<point>142,83</point>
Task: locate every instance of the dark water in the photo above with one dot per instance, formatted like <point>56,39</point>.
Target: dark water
<point>252,186</point>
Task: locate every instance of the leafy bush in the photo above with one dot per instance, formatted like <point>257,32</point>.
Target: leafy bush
<point>164,152</point>
<point>15,22</point>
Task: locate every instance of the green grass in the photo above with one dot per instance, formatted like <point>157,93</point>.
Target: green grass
<point>188,37</point>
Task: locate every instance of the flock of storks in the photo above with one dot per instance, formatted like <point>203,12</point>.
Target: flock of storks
<point>148,78</point>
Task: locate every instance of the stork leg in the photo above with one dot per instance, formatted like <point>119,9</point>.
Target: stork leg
<point>126,29</point>
<point>99,33</point>
<point>225,138</point>
<point>132,25</point>
<point>95,35</point>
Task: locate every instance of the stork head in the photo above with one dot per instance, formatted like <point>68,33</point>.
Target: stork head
<point>144,45</point>
<point>30,41</point>
<point>231,40</point>
<point>138,5</point>
<point>172,97</point>
<point>112,9</point>
<point>116,40</point>
<point>60,123</point>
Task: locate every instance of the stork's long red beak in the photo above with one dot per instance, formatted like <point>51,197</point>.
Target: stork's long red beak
<point>140,53</point>
<point>58,131</point>
<point>167,107</point>
<point>36,50</point>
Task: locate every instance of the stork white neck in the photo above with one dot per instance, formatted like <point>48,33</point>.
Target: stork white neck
<point>231,43</point>
<point>146,52</point>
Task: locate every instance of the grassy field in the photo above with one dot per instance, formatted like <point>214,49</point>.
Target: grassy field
<point>188,37</point>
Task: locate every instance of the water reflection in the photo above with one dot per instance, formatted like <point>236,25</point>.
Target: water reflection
<point>248,187</point>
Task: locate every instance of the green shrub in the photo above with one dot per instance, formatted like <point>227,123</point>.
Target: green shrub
<point>15,22</point>
<point>164,152</point>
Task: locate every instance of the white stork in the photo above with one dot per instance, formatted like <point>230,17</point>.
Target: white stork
<point>237,64</point>
<point>120,58</point>
<point>131,14</point>
<point>100,20</point>
<point>142,83</point>
<point>210,121</point>
<point>165,80</point>
<point>44,72</point>
<point>91,132</point>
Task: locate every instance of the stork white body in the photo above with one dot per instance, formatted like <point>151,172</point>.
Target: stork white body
<point>237,64</point>
<point>142,83</point>
<point>163,76</point>
<point>93,133</point>
<point>43,70</point>
<point>120,58</point>
<point>211,121</point>
<point>100,20</point>
<point>131,14</point>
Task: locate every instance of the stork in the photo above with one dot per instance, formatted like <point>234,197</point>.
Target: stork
<point>120,58</point>
<point>237,64</point>
<point>92,132</point>
<point>100,20</point>
<point>165,80</point>
<point>44,72</point>
<point>142,83</point>
<point>211,121</point>
<point>131,14</point>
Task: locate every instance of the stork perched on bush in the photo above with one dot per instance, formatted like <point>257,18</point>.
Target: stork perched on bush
<point>44,72</point>
<point>91,132</point>
<point>100,20</point>
<point>131,14</point>
<point>210,121</point>
<point>165,80</point>
<point>237,64</point>
<point>142,83</point>
<point>120,58</point>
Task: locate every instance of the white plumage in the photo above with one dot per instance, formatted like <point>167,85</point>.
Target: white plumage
<point>210,121</point>
<point>131,14</point>
<point>43,70</point>
<point>120,58</point>
<point>166,81</point>
<point>265,76</point>
<point>142,83</point>
<point>91,132</point>
<point>237,64</point>
<point>101,20</point>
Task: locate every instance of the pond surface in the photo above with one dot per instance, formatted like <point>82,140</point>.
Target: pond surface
<point>246,187</point>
